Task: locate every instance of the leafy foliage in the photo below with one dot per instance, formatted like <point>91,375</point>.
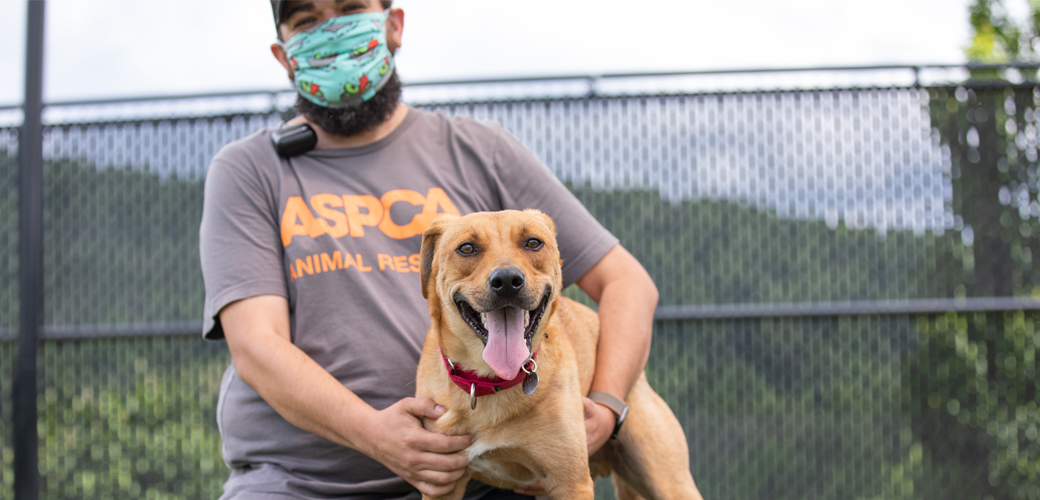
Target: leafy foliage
<point>998,38</point>
<point>975,395</point>
<point>972,392</point>
<point>131,418</point>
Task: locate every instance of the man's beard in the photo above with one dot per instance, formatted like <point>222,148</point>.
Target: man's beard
<point>358,119</point>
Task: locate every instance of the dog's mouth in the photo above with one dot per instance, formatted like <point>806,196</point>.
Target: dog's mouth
<point>478,321</point>
<point>507,333</point>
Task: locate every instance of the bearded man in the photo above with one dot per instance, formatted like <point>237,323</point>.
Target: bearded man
<point>311,270</point>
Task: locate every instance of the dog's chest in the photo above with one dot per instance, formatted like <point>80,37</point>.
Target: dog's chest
<point>482,460</point>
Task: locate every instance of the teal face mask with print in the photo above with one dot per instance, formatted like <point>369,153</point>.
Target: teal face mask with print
<point>342,62</point>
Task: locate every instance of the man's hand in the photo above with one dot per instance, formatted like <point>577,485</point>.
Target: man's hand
<point>599,423</point>
<point>429,461</point>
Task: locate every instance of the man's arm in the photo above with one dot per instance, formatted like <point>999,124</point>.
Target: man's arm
<point>302,392</point>
<point>627,298</point>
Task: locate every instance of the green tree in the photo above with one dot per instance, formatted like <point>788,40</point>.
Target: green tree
<point>998,38</point>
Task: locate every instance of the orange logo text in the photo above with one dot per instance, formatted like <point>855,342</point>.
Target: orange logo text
<point>324,262</point>
<point>342,215</point>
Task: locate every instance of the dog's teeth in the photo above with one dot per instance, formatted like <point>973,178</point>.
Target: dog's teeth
<point>527,318</point>
<point>483,319</point>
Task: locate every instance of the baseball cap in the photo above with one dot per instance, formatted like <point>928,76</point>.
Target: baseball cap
<point>278,7</point>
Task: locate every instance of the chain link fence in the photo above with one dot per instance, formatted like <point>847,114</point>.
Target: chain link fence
<point>787,230</point>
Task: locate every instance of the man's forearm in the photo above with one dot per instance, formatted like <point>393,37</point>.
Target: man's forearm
<point>299,389</point>
<point>627,298</point>
<point>626,325</point>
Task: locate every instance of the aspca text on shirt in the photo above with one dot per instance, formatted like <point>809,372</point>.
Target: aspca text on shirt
<point>354,215</point>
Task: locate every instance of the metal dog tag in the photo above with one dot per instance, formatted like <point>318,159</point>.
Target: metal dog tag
<point>530,383</point>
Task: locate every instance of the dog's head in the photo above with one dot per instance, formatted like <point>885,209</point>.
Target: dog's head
<point>494,277</point>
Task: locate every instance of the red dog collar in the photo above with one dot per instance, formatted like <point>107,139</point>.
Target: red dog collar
<point>478,386</point>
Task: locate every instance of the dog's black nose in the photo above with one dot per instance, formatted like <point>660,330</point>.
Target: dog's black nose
<point>506,281</point>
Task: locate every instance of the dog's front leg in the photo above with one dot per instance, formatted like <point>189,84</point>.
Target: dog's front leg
<point>460,488</point>
<point>574,483</point>
<point>566,462</point>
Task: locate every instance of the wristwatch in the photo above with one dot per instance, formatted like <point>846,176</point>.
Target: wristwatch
<point>616,405</point>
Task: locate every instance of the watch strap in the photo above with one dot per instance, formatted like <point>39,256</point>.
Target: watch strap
<point>615,404</point>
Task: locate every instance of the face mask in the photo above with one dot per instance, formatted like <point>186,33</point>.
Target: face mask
<point>342,62</point>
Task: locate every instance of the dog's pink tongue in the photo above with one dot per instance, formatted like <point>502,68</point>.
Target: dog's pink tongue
<point>506,349</point>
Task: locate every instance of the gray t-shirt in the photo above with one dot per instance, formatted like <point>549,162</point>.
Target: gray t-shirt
<point>337,232</point>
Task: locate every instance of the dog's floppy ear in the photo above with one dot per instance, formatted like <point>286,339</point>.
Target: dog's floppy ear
<point>430,238</point>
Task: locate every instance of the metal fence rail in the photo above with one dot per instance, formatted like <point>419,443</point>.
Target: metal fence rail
<point>663,313</point>
<point>910,75</point>
<point>847,282</point>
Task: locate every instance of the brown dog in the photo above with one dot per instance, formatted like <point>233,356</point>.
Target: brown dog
<point>493,281</point>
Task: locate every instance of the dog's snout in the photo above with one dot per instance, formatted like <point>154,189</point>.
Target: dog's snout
<point>506,281</point>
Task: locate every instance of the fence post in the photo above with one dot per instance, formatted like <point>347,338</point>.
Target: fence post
<point>30,255</point>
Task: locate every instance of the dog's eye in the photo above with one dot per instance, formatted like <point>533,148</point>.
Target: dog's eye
<point>533,243</point>
<point>466,249</point>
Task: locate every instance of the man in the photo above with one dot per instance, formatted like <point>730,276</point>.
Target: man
<point>311,271</point>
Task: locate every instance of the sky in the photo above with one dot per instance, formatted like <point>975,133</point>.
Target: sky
<point>122,48</point>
